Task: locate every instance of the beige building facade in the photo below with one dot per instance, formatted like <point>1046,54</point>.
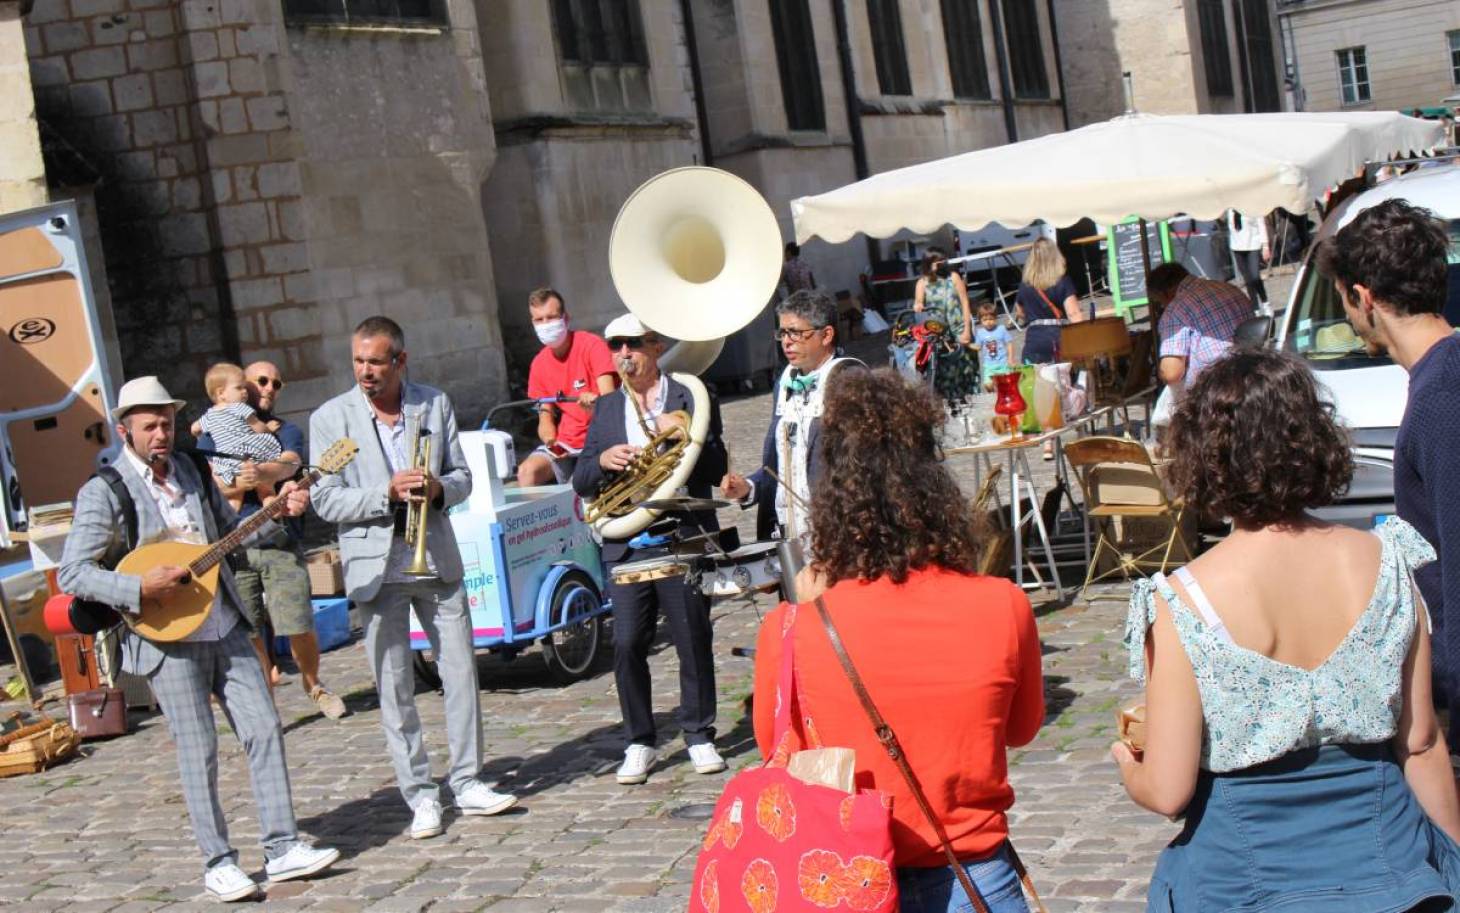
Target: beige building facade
<point>22,170</point>
<point>1183,56</point>
<point>1373,55</point>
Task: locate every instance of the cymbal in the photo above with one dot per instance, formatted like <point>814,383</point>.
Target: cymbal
<point>678,504</point>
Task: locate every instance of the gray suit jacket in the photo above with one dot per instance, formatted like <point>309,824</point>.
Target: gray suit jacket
<point>98,537</point>
<point>358,500</point>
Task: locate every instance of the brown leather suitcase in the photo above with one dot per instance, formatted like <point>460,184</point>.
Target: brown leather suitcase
<point>99,714</point>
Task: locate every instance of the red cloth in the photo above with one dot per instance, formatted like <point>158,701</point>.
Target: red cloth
<point>587,360</point>
<point>952,661</point>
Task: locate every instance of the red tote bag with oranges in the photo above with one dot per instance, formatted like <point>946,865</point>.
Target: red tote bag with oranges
<point>778,844</point>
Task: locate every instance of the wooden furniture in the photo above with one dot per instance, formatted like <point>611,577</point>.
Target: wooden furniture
<point>1120,484</point>
<point>1095,346</point>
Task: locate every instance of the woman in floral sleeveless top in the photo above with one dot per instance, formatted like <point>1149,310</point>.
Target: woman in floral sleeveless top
<point>1289,715</point>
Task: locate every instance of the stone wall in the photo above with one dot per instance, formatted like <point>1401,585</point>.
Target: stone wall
<point>22,173</point>
<point>223,138</point>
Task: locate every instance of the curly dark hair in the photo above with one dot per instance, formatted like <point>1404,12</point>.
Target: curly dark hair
<point>884,503</point>
<point>1253,440</point>
<point>1396,250</point>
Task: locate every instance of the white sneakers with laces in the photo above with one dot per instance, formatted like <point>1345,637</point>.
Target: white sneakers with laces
<point>705,758</point>
<point>301,861</point>
<point>480,799</point>
<point>427,820</point>
<point>637,761</point>
<point>227,883</point>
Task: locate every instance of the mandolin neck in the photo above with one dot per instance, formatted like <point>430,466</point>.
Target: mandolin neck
<point>223,547</point>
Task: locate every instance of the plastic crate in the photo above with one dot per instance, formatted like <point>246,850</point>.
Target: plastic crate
<point>331,625</point>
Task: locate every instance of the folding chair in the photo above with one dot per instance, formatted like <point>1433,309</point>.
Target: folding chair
<point>1120,483</point>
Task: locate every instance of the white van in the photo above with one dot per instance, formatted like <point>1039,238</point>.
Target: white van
<point>1368,391</point>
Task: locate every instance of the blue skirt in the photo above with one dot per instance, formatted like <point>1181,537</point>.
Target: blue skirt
<point>1323,830</point>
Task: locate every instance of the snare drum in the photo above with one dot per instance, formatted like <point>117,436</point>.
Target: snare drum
<point>649,569</point>
<point>753,568</point>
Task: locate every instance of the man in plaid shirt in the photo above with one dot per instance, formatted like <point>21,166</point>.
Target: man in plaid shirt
<point>1199,317</point>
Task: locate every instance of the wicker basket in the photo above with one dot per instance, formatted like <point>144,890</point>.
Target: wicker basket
<point>33,748</point>
<point>326,575</point>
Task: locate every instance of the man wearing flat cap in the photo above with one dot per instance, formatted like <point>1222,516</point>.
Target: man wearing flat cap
<point>622,424</point>
<point>174,501</point>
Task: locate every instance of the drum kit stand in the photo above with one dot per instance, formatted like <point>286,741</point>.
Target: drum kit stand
<point>698,556</point>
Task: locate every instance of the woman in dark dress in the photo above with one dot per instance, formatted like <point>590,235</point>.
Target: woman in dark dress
<point>1046,300</point>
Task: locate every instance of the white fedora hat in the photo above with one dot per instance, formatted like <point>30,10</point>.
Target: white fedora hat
<point>143,391</point>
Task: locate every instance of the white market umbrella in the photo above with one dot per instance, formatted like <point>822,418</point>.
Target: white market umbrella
<point>1154,167</point>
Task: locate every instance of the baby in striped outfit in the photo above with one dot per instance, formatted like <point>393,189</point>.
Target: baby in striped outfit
<point>234,425</point>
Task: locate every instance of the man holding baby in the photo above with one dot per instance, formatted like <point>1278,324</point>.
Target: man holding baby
<point>271,576</point>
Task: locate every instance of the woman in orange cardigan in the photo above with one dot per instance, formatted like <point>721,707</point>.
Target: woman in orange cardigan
<point>951,658</point>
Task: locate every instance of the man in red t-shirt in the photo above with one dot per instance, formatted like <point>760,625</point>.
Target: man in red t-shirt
<point>572,363</point>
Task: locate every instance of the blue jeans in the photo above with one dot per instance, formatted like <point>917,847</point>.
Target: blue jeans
<point>938,891</point>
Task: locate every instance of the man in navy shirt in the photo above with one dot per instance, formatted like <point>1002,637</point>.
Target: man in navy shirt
<point>1390,266</point>
<point>275,567</point>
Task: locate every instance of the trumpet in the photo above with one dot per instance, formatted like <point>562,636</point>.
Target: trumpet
<point>416,507</point>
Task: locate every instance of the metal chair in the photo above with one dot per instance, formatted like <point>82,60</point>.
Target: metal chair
<point>1121,483</point>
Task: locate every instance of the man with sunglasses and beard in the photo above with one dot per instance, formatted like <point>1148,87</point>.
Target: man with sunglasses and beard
<point>271,576</point>
<point>621,427</point>
<point>791,454</point>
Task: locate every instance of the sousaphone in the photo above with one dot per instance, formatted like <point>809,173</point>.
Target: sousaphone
<point>695,254</point>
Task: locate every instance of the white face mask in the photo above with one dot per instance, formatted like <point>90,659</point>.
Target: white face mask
<point>552,332</point>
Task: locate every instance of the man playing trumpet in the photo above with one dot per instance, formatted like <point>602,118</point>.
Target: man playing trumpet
<point>370,501</point>
<point>622,425</point>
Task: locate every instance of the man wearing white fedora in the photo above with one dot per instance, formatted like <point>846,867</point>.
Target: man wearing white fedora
<point>172,500</point>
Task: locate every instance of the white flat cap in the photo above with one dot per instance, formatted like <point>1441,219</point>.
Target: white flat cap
<point>143,391</point>
<point>626,326</point>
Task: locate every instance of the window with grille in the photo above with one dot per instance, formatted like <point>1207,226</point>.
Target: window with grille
<point>888,48</point>
<point>605,61</point>
<point>600,32</point>
<point>963,31</point>
<point>367,12</point>
<point>1454,38</point>
<point>796,62</point>
<point>1215,49</point>
<point>1353,76</point>
<point>1264,86</point>
<point>1026,49</point>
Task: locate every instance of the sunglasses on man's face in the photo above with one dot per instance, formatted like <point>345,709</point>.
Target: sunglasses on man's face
<point>266,382</point>
<point>618,342</point>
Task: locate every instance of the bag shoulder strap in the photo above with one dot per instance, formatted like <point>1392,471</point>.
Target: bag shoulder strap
<point>889,741</point>
<point>1059,312</point>
<point>113,479</point>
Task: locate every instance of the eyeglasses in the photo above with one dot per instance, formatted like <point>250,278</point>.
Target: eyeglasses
<point>798,335</point>
<point>266,382</point>
<point>618,342</point>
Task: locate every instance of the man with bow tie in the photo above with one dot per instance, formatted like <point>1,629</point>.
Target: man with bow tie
<point>791,452</point>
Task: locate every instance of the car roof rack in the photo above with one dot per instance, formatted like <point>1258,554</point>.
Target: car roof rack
<point>1444,154</point>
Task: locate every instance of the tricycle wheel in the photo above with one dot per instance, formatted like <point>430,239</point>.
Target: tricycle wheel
<point>426,670</point>
<point>571,652</point>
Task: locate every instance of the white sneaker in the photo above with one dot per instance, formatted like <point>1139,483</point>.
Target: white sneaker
<point>228,883</point>
<point>301,861</point>
<point>427,820</point>
<point>637,761</point>
<point>481,799</point>
<point>705,758</point>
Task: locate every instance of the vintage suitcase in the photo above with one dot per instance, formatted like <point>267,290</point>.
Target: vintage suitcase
<point>99,714</point>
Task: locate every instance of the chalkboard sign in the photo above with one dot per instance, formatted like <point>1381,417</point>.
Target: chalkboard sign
<point>1127,267</point>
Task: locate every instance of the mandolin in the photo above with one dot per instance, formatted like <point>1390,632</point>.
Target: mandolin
<point>184,610</point>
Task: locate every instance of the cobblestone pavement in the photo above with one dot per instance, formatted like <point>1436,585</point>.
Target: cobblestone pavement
<point>109,831</point>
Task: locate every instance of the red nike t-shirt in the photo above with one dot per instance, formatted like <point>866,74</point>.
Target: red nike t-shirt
<point>588,359</point>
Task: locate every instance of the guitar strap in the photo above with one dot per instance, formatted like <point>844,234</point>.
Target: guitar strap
<point>113,479</point>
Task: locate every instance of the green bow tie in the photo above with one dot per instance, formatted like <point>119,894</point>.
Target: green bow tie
<point>802,384</point>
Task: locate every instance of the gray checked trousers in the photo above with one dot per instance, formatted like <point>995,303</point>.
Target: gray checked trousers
<point>441,609</point>
<point>228,668</point>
